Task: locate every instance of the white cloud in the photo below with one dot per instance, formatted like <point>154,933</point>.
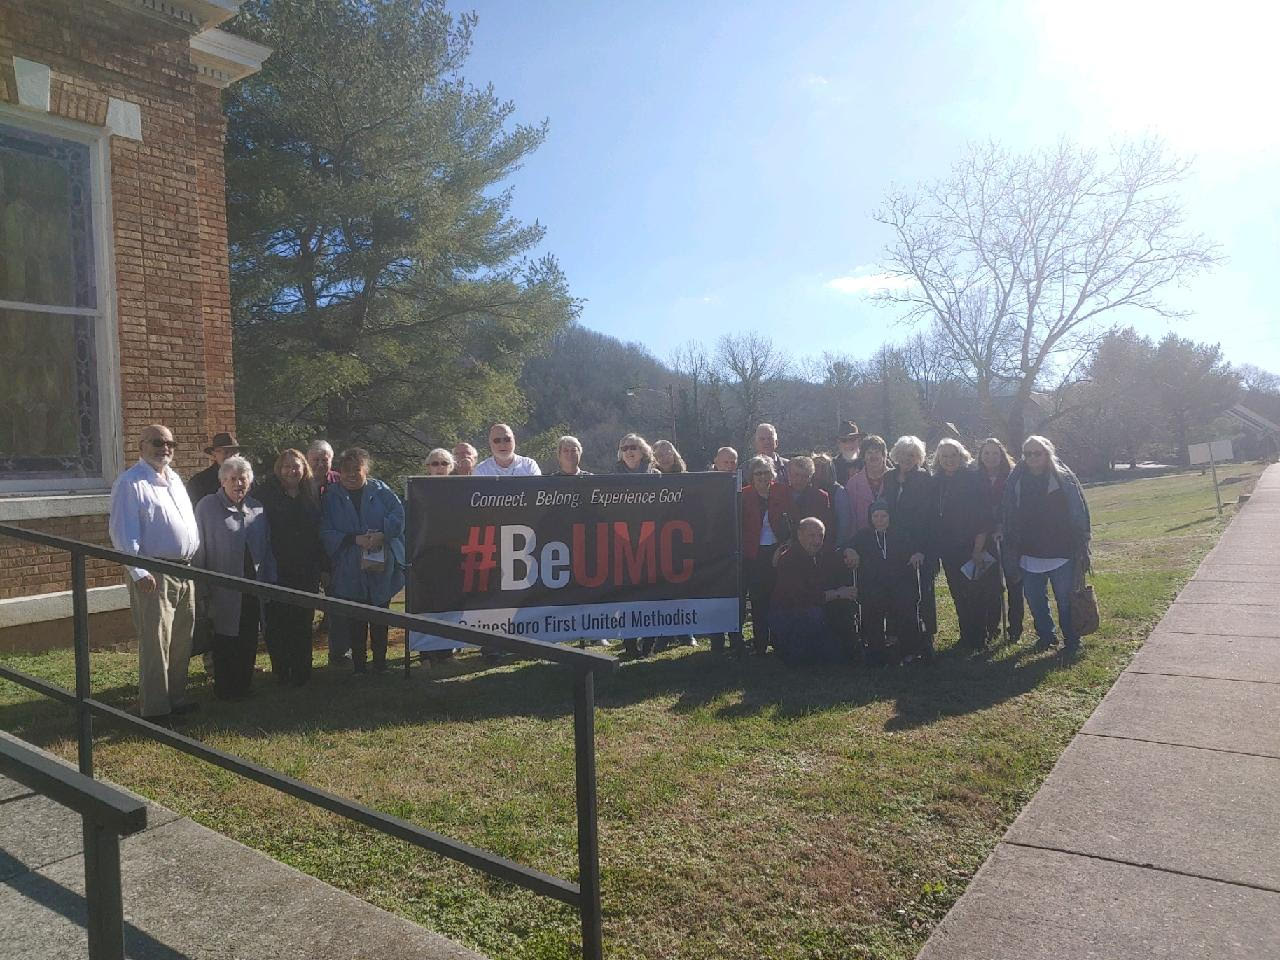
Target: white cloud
<point>864,284</point>
<point>816,81</point>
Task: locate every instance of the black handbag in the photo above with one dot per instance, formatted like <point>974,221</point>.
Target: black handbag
<point>1085,618</point>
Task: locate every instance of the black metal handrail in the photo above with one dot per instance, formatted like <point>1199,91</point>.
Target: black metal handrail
<point>108,815</point>
<point>584,895</point>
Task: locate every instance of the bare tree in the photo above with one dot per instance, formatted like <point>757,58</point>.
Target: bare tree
<point>930,362</point>
<point>1018,258</point>
<point>752,363</point>
<point>697,371</point>
<point>1256,380</point>
<point>839,373</point>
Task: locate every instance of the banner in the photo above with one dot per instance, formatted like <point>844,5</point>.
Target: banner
<point>564,558</point>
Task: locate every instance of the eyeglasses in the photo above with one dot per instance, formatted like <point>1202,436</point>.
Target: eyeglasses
<point>439,463</point>
<point>1034,453</point>
<point>503,440</point>
<point>159,442</point>
<point>762,473</point>
<point>630,447</point>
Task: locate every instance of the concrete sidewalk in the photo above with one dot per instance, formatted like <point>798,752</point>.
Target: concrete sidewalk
<point>189,894</point>
<point>1158,832</point>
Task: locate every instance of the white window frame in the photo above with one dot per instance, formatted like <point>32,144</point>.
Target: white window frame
<point>106,335</point>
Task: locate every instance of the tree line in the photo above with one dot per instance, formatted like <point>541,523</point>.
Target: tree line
<point>384,294</point>
<point>1132,399</point>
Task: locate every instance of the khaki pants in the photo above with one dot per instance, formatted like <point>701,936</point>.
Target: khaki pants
<point>163,621</point>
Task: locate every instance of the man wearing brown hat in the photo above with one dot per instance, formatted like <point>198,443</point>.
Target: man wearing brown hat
<point>850,460</point>
<point>205,482</point>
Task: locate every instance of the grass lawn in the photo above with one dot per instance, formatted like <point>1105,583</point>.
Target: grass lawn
<point>746,810</point>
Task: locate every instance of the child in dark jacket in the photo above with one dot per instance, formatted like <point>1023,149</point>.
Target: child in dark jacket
<point>888,590</point>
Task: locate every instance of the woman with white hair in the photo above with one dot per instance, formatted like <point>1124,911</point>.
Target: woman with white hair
<point>234,539</point>
<point>439,463</point>
<point>907,490</point>
<point>961,523</point>
<point>1046,529</point>
<point>569,458</point>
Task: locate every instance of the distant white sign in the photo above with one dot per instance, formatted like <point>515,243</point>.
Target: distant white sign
<point>1219,452</point>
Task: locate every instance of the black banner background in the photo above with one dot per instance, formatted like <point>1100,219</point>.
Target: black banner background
<point>452,521</point>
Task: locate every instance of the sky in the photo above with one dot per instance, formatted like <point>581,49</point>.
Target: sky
<point>713,167</point>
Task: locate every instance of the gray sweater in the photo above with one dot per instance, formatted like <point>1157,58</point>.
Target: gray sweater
<point>225,530</point>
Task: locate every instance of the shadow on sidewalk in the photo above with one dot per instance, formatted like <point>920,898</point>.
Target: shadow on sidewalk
<point>43,892</point>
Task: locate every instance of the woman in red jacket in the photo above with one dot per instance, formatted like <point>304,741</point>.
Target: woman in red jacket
<point>766,522</point>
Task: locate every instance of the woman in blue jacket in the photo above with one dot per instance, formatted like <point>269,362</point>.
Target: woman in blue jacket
<point>362,527</point>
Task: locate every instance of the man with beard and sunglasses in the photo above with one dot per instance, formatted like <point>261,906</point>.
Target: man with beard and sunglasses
<point>151,516</point>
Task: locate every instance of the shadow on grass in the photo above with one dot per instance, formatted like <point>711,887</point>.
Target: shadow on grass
<point>469,690</point>
<point>955,683</point>
<point>1208,518</point>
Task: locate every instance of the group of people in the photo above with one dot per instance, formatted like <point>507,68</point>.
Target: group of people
<point>831,563</point>
<point>835,549</point>
<point>317,523</point>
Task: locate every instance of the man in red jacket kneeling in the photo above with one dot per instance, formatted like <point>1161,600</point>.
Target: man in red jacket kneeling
<point>811,598</point>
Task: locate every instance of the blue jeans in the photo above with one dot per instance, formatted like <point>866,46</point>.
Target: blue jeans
<point>1035,586</point>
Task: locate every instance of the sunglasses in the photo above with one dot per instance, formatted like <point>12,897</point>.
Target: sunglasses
<point>1034,453</point>
<point>629,447</point>
<point>157,442</point>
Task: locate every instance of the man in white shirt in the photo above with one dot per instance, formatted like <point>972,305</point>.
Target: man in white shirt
<point>505,462</point>
<point>151,516</point>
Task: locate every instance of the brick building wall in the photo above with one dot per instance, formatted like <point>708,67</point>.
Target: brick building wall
<point>31,570</point>
<point>168,228</point>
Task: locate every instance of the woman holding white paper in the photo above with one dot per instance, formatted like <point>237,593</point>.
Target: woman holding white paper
<point>961,523</point>
<point>362,526</point>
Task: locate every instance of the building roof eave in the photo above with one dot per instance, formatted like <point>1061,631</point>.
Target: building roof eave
<point>191,15</point>
<point>222,58</point>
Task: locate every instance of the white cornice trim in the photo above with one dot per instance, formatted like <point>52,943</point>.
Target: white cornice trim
<point>44,507</point>
<point>18,611</point>
<point>194,15</point>
<point>223,58</point>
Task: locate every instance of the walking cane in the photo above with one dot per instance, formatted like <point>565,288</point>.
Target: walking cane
<point>920,624</point>
<point>859,642</point>
<point>1004,594</point>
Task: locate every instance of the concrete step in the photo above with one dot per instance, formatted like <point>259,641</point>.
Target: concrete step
<point>189,894</point>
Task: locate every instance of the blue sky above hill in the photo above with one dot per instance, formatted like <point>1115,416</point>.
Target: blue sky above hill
<point>713,166</point>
